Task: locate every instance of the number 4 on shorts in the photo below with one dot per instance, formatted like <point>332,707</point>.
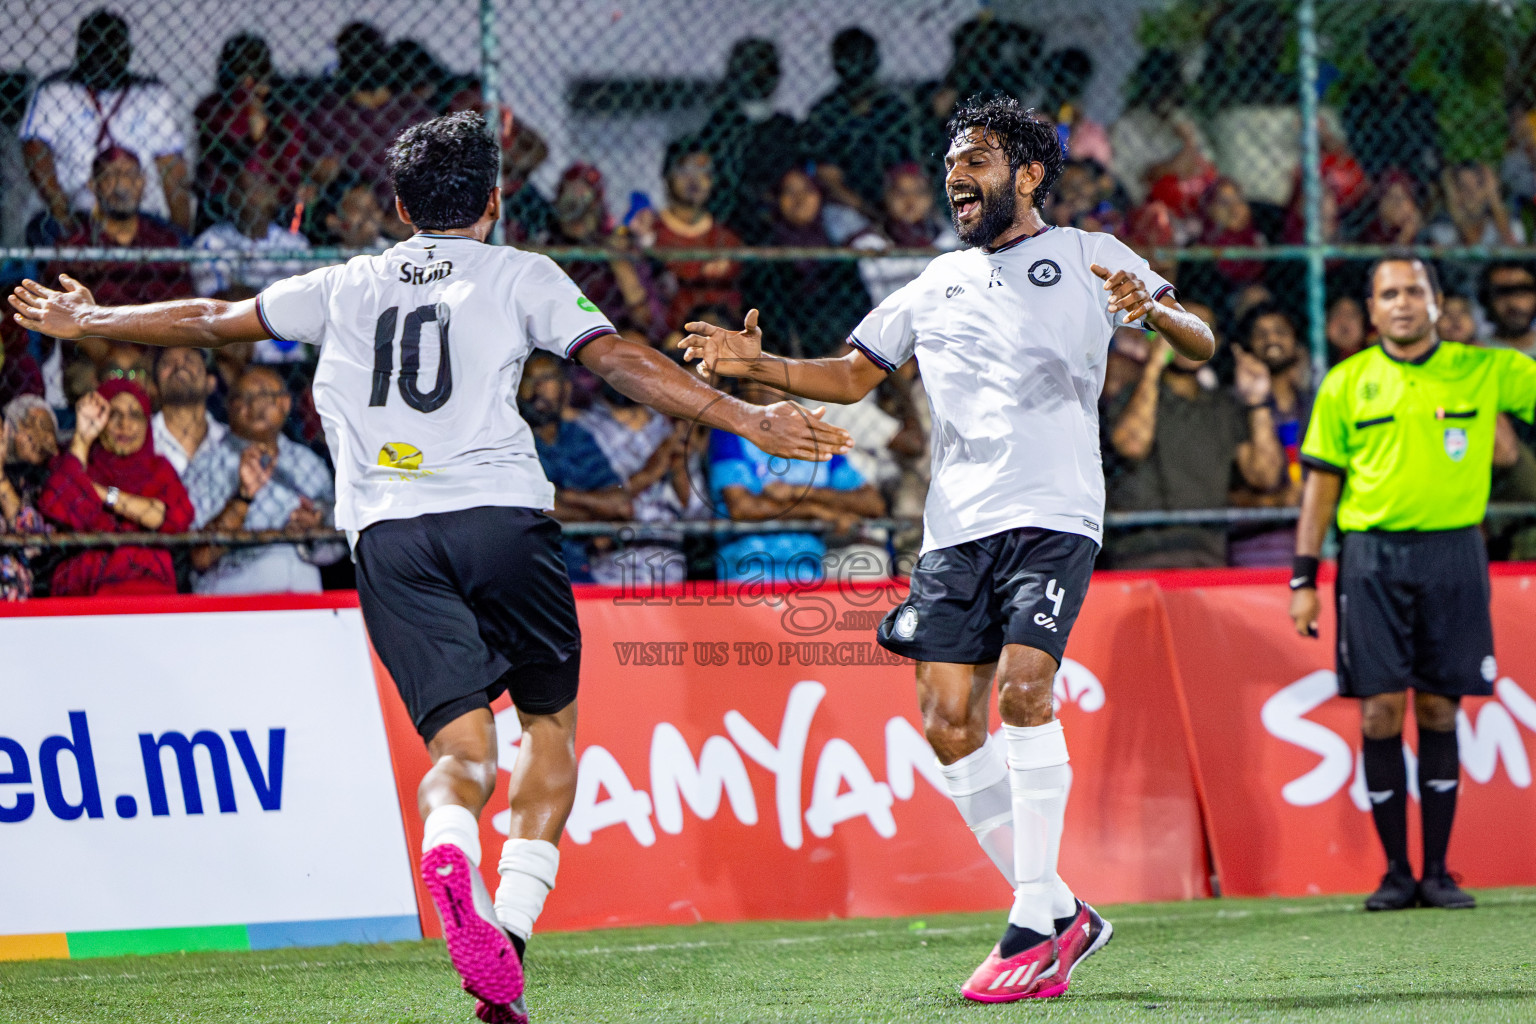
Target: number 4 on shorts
<point>1055,595</point>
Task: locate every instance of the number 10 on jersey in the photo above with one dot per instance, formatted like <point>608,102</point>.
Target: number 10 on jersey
<point>410,357</point>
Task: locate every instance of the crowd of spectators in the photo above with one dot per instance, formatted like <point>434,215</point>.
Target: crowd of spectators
<point>275,166</point>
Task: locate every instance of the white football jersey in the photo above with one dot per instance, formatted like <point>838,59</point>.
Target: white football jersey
<point>1011,346</point>
<point>421,351</point>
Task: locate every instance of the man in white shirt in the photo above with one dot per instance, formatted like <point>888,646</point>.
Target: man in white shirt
<point>1011,338</point>
<point>252,233</point>
<point>183,425</point>
<point>255,478</point>
<point>93,106</point>
<point>459,570</point>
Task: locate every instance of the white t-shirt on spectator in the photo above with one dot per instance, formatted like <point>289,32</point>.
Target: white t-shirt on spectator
<point>77,123</point>
<point>1011,346</point>
<point>422,417</point>
<point>249,268</point>
<point>883,275</point>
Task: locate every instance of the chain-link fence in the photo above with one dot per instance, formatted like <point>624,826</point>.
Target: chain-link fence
<point>690,159</point>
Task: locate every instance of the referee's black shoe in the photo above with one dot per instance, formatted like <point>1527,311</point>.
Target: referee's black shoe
<point>1398,890</point>
<point>1439,889</point>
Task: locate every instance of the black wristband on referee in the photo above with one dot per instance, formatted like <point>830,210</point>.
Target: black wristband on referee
<point>1304,572</point>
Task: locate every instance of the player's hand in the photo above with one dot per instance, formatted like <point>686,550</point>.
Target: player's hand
<point>1304,611</point>
<point>719,351</point>
<point>1127,292</point>
<point>58,314</point>
<point>1252,380</point>
<point>257,463</point>
<point>787,430</point>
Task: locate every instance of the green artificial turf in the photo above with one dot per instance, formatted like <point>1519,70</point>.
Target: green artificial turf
<point>1218,960</point>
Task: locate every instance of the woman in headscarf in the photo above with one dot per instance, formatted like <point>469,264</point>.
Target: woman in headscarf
<point>1229,222</point>
<point>622,288</point>
<point>28,441</point>
<point>909,223</point>
<point>808,305</point>
<point>111,481</point>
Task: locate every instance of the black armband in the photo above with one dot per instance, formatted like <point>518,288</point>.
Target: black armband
<point>1304,572</point>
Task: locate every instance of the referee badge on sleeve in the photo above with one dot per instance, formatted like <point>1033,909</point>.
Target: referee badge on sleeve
<point>1455,442</point>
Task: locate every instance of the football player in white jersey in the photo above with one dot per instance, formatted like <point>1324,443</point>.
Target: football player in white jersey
<point>459,570</point>
<point>1011,338</point>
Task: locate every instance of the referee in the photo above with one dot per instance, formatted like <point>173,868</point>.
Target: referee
<point>1401,444</point>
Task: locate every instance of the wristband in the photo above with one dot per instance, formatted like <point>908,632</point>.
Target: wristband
<point>242,497</point>
<point>1256,406</point>
<point>111,499</point>
<point>1304,572</point>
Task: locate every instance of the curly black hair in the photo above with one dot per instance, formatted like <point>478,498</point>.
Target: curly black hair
<point>1023,137</point>
<point>444,169</point>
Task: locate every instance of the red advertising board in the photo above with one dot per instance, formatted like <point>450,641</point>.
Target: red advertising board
<point>753,757</point>
<point>1279,752</point>
<point>759,756</point>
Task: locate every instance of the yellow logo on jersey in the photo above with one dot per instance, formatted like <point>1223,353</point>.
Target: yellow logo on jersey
<point>399,455</point>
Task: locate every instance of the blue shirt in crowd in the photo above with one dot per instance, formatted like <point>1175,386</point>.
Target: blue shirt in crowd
<point>775,557</point>
<point>575,463</point>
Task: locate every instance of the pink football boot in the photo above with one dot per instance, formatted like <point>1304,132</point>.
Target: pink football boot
<point>1087,934</point>
<point>481,951</point>
<point>1032,974</point>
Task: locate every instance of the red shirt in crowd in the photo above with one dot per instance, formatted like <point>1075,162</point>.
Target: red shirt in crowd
<point>69,499</point>
<point>700,283</point>
<point>117,284</point>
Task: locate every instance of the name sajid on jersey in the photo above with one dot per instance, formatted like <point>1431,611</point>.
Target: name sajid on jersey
<point>436,271</point>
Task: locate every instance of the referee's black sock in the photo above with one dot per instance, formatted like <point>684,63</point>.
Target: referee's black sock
<point>1439,772</point>
<point>1386,783</point>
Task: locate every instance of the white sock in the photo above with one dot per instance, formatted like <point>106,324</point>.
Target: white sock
<point>453,824</point>
<point>1039,778</point>
<point>528,869</point>
<point>978,784</point>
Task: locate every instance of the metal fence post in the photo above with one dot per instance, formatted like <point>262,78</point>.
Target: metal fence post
<point>1312,182</point>
<point>490,93</point>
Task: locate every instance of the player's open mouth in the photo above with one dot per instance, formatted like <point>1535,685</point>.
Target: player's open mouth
<point>965,203</point>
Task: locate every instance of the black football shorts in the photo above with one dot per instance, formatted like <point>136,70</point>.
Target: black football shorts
<point>464,606</point>
<point>1021,586</point>
<point>1413,613</point>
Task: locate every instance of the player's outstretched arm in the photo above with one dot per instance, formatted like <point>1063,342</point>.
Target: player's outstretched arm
<point>647,376</point>
<point>1187,333</point>
<point>740,354</point>
<point>1319,502</point>
<point>71,313</point>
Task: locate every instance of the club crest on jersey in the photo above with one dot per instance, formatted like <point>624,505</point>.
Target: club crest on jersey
<point>906,623</point>
<point>1044,273</point>
<point>1455,443</point>
<point>410,274</point>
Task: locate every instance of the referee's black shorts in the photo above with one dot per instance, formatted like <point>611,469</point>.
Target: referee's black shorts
<point>464,606</point>
<point>1413,612</point>
<point>1022,586</point>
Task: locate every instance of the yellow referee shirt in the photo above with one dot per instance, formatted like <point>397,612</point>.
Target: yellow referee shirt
<point>1414,440</point>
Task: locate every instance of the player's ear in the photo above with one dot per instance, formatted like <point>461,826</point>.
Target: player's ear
<point>405,218</point>
<point>1028,179</point>
<point>493,205</point>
